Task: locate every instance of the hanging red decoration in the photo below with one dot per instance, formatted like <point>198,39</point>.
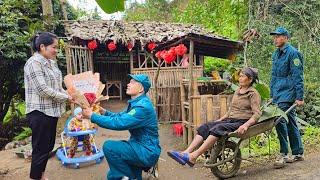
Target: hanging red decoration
<point>169,57</point>
<point>158,54</point>
<point>130,46</point>
<point>162,53</point>
<point>151,46</point>
<point>112,46</point>
<point>181,49</point>
<point>172,51</point>
<point>92,45</point>
<point>91,97</point>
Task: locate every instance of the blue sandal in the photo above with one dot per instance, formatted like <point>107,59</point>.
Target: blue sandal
<point>181,158</point>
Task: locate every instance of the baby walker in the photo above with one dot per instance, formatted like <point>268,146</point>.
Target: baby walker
<point>62,153</point>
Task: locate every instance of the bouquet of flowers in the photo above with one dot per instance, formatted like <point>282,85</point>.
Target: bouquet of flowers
<point>86,89</point>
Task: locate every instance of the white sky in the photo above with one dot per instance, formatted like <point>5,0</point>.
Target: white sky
<point>89,5</point>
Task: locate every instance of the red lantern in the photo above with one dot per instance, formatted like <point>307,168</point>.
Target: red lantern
<point>92,45</point>
<point>169,57</point>
<point>112,46</point>
<point>162,54</point>
<point>158,54</point>
<point>151,46</point>
<point>172,51</point>
<point>130,46</point>
<point>181,49</point>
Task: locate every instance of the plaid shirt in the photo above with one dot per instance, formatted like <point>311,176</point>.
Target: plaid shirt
<point>43,86</point>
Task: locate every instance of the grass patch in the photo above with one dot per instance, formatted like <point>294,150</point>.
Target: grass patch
<point>259,145</point>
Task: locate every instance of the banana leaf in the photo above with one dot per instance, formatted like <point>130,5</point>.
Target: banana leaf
<point>233,86</point>
<point>272,111</point>
<point>263,90</point>
<point>111,6</point>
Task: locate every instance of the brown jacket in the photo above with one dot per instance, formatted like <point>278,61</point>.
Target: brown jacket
<point>246,105</point>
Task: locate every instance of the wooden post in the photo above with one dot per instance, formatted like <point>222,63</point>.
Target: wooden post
<point>64,9</point>
<point>183,113</point>
<point>47,14</point>
<point>131,62</point>
<point>191,87</point>
<point>68,58</point>
<point>91,60</point>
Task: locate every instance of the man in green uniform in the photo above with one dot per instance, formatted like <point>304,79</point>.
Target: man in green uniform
<point>287,88</point>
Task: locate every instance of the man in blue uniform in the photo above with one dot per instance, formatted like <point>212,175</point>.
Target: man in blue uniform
<point>127,159</point>
<point>287,88</point>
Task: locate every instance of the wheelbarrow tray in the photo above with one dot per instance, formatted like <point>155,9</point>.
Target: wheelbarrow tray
<point>256,129</point>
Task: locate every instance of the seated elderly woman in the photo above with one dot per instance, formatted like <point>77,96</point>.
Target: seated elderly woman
<point>244,112</point>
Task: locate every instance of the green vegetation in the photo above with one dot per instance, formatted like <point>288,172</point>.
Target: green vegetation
<point>259,145</point>
<point>232,17</point>
<point>24,134</point>
<point>215,64</point>
<point>21,19</point>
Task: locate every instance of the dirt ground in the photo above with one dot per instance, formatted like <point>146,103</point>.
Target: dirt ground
<point>17,168</point>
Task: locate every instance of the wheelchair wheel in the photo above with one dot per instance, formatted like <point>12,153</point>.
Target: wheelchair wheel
<point>227,169</point>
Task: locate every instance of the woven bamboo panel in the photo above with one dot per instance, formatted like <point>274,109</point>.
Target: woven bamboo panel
<point>168,90</point>
<point>209,108</point>
<point>79,59</point>
<point>204,107</point>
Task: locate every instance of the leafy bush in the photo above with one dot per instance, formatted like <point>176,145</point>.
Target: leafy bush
<point>18,112</point>
<point>24,134</point>
<point>310,112</point>
<point>9,130</point>
<point>259,145</point>
<point>215,64</point>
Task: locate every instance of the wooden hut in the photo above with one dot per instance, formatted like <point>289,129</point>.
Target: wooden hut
<point>114,66</point>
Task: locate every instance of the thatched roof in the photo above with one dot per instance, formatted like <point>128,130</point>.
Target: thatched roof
<point>142,32</point>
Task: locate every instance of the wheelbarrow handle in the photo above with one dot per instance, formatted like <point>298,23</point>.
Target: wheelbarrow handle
<point>287,111</point>
<point>291,107</point>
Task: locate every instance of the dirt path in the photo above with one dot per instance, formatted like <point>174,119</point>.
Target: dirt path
<point>169,170</point>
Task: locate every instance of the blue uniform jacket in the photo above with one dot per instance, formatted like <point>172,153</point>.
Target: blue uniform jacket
<point>141,121</point>
<point>287,75</point>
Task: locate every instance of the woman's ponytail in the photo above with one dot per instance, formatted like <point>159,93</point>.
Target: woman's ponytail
<point>45,38</point>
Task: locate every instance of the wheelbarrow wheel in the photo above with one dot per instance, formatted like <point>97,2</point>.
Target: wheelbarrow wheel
<point>227,169</point>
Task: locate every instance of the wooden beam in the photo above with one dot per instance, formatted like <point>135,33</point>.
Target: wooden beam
<point>190,91</point>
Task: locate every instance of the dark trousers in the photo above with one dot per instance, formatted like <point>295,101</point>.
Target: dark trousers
<point>43,140</point>
<point>291,130</point>
<point>220,128</point>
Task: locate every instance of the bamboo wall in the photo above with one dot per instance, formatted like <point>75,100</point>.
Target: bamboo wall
<point>205,107</point>
<point>168,89</point>
<point>79,59</point>
<point>117,66</point>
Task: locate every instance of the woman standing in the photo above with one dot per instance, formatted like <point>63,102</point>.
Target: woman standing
<point>45,99</point>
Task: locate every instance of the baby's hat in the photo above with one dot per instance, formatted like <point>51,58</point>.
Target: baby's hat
<point>77,110</point>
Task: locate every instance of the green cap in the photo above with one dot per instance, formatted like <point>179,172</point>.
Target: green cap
<point>281,31</point>
<point>143,79</point>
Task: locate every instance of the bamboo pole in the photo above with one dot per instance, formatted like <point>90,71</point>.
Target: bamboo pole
<point>190,91</point>
<point>68,58</point>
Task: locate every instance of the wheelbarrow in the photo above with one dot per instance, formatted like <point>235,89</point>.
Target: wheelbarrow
<point>225,156</point>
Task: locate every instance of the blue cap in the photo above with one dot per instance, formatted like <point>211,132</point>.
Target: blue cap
<point>77,110</point>
<point>143,79</point>
<point>281,31</point>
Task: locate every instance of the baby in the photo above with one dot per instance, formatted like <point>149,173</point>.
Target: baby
<point>77,123</point>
